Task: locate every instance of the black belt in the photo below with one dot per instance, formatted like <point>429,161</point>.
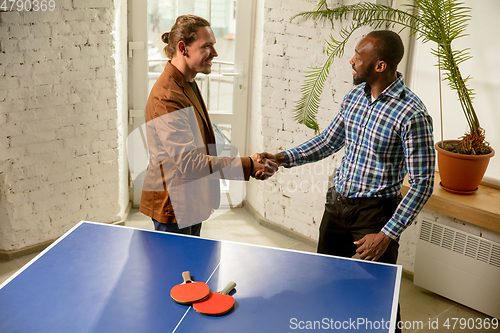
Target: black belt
<point>360,201</point>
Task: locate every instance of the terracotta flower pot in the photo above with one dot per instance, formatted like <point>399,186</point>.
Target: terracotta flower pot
<point>460,173</point>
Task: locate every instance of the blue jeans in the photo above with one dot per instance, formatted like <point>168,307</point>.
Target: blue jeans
<point>193,230</point>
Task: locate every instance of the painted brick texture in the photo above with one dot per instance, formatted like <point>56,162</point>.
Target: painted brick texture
<point>58,121</point>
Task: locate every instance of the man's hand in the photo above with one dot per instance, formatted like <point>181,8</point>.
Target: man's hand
<point>277,158</point>
<point>372,246</point>
<point>263,167</point>
<point>269,159</point>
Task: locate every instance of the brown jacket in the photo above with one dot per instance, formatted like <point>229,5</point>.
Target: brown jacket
<point>182,180</point>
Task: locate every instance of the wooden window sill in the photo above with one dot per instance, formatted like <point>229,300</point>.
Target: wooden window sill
<point>481,208</point>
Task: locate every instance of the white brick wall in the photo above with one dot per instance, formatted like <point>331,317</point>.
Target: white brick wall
<point>59,126</point>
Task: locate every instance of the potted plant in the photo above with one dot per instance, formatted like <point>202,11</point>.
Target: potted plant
<point>438,21</point>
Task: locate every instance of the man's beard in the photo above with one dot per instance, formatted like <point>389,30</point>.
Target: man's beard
<point>360,78</point>
<point>363,76</point>
<point>207,70</point>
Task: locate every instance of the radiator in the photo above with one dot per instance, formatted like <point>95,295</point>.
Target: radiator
<point>460,266</point>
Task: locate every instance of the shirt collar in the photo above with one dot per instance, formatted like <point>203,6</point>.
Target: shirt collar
<point>395,90</point>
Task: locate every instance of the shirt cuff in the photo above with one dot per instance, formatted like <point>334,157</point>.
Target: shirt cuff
<point>290,157</point>
<point>393,229</point>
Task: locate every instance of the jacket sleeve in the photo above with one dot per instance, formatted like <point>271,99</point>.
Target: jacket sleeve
<point>183,146</point>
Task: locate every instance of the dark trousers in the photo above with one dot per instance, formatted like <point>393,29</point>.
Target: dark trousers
<point>346,220</point>
<point>193,230</point>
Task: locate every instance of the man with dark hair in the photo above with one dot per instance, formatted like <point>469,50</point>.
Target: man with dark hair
<point>386,133</point>
<point>388,47</point>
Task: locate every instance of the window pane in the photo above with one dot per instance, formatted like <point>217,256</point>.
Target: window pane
<point>217,89</point>
<point>223,140</point>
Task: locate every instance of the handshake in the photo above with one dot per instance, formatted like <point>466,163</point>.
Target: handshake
<point>265,164</point>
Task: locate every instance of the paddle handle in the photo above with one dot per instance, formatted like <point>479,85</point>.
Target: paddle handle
<point>230,286</point>
<point>187,277</point>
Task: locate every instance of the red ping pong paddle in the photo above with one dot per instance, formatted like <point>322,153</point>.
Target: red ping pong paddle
<point>216,303</point>
<point>189,291</point>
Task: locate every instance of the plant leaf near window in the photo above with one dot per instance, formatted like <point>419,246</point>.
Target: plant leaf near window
<point>438,21</point>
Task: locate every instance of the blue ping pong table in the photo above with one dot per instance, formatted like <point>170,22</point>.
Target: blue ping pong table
<point>105,278</point>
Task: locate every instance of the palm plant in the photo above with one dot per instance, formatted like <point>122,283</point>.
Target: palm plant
<point>438,21</point>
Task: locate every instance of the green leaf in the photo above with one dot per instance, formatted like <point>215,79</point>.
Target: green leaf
<point>439,21</point>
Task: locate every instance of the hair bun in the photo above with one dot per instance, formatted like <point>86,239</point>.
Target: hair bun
<point>164,37</point>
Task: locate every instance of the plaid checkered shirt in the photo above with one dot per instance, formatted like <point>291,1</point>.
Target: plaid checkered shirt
<point>384,140</point>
